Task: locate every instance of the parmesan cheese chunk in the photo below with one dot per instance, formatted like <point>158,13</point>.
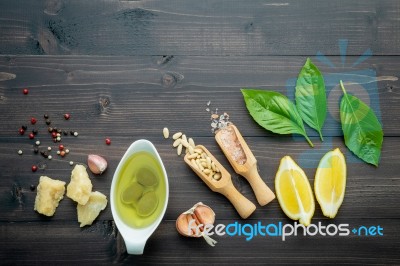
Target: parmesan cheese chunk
<point>49,194</point>
<point>80,187</point>
<point>88,213</point>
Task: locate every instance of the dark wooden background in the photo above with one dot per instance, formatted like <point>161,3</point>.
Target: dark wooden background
<point>126,69</point>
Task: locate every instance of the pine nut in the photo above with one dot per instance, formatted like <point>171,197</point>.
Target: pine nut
<point>217,176</point>
<point>184,143</point>
<point>176,143</point>
<point>198,158</point>
<point>179,150</point>
<point>207,171</point>
<point>177,135</point>
<point>209,163</point>
<point>194,164</point>
<point>199,164</point>
<point>184,137</point>
<point>191,142</point>
<point>191,150</point>
<point>166,132</point>
<point>213,167</point>
<point>192,156</point>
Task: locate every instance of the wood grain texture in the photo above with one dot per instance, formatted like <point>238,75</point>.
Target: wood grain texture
<point>127,98</point>
<point>126,69</point>
<point>211,27</point>
<point>102,244</point>
<point>121,92</point>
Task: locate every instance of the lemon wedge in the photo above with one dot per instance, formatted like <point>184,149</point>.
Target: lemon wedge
<point>330,182</point>
<point>293,191</point>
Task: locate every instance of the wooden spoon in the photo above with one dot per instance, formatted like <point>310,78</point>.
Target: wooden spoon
<point>224,185</point>
<point>243,161</point>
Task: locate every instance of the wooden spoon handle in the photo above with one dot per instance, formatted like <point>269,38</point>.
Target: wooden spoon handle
<point>242,205</point>
<point>263,193</point>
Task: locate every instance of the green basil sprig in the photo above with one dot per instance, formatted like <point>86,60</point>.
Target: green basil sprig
<point>274,111</point>
<point>311,96</point>
<point>362,131</point>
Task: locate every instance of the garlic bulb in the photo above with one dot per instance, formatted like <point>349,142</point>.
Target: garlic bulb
<point>192,222</point>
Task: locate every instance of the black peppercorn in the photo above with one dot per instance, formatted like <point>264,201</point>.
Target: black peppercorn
<point>34,131</point>
<point>44,154</point>
<point>55,129</point>
<point>65,133</point>
<point>46,116</point>
<point>35,150</point>
<point>24,127</point>
<point>32,187</point>
<point>72,132</point>
<point>48,121</point>
<point>50,129</point>
<point>59,131</point>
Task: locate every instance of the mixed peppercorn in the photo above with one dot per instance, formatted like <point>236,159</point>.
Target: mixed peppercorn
<point>55,134</point>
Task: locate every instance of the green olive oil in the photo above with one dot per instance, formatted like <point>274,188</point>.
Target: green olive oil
<point>143,173</point>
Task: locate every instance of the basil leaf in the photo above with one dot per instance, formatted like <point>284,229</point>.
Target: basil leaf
<point>311,96</point>
<point>362,131</point>
<point>274,111</point>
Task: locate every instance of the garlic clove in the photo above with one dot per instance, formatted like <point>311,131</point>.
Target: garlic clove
<point>182,226</point>
<point>204,214</point>
<point>97,164</point>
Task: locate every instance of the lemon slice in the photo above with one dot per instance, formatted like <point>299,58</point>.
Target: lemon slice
<point>330,182</point>
<point>293,191</point>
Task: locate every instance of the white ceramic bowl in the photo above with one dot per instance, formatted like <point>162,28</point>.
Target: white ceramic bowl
<point>135,238</point>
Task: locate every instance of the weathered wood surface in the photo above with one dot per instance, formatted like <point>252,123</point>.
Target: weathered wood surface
<point>125,92</point>
<point>182,27</point>
<point>101,244</point>
<point>126,69</point>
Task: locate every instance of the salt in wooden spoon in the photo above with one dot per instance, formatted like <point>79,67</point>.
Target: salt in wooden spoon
<point>243,161</point>
<point>224,183</point>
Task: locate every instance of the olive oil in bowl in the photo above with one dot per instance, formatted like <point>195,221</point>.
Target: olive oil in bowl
<point>139,194</point>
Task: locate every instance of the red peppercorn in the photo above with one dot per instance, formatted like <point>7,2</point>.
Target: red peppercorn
<point>62,153</point>
<point>67,116</point>
<point>25,91</point>
<point>21,131</point>
<point>33,120</point>
<point>108,141</point>
<point>54,135</point>
<point>31,135</point>
<point>34,168</point>
<point>61,147</point>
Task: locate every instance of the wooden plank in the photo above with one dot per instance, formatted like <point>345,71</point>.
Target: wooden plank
<point>126,69</point>
<point>56,242</point>
<point>120,93</point>
<point>371,192</point>
<point>198,28</point>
